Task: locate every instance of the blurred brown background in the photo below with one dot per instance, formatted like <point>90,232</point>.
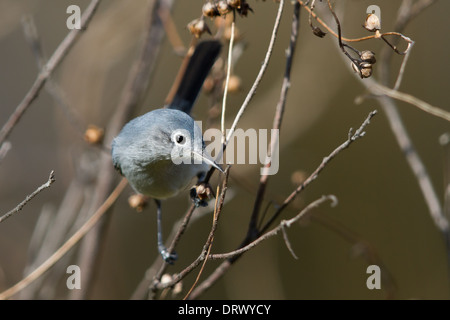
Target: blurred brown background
<point>379,198</point>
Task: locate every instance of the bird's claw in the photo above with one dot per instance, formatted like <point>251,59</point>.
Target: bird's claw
<point>169,257</point>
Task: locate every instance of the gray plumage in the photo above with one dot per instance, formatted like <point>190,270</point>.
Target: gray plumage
<point>146,149</point>
<point>161,151</point>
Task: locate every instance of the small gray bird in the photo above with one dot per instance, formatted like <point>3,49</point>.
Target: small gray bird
<point>161,151</point>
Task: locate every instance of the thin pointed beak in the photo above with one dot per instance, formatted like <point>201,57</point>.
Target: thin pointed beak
<point>208,159</point>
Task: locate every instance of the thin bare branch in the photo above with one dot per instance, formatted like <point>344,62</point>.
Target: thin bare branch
<point>233,256</point>
<point>260,75</point>
<point>4,148</point>
<point>136,85</point>
<point>351,138</point>
<point>58,254</point>
<point>273,232</point>
<point>277,121</point>
<point>428,108</point>
<point>51,86</point>
<point>54,61</point>
<point>20,206</point>
<point>205,251</point>
<point>227,80</point>
<point>287,242</point>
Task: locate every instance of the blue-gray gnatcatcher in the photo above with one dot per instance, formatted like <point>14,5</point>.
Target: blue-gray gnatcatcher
<point>161,151</point>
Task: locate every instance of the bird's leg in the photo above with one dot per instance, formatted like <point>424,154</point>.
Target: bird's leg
<point>166,255</point>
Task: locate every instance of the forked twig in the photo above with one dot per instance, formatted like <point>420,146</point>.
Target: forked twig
<point>20,206</point>
<point>280,227</point>
<point>231,257</point>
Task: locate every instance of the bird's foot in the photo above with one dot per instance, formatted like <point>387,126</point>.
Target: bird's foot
<point>169,257</point>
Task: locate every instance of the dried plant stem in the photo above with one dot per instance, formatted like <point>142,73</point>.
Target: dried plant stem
<point>57,57</point>
<point>19,207</point>
<point>58,254</point>
<point>227,80</point>
<point>428,108</point>
<point>208,245</point>
<point>137,82</point>
<point>283,224</point>
<point>260,75</point>
<point>51,86</point>
<point>351,138</point>
<point>377,35</point>
<point>279,112</point>
<point>234,255</point>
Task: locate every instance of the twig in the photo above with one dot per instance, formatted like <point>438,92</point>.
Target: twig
<point>279,112</point>
<point>329,29</point>
<point>19,207</point>
<point>208,245</point>
<point>137,82</point>
<point>171,30</point>
<point>51,86</point>
<point>47,264</point>
<point>253,233</point>
<point>156,270</point>
<point>4,148</point>
<point>177,230</point>
<point>262,70</point>
<point>415,162</point>
<point>377,35</point>
<point>220,271</point>
<point>401,71</point>
<point>406,13</point>
<point>204,254</point>
<point>287,242</point>
<point>377,88</point>
<point>351,138</point>
<point>273,232</point>
<point>398,128</point>
<point>227,80</point>
<point>57,57</point>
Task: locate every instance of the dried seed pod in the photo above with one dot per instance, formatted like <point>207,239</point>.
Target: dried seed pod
<point>368,56</point>
<point>208,84</point>
<point>210,10</point>
<point>366,72</point>
<point>94,134</point>
<point>234,84</point>
<point>372,23</point>
<point>234,3</point>
<point>203,191</point>
<point>355,68</point>
<point>318,32</point>
<point>223,8</point>
<point>137,201</point>
<point>298,177</point>
<point>197,27</point>
<point>166,278</point>
<point>243,9</point>
<point>177,288</point>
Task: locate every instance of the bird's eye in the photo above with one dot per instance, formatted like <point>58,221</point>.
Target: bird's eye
<point>180,139</point>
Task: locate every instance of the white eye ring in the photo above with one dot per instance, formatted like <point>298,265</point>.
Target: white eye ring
<point>179,138</point>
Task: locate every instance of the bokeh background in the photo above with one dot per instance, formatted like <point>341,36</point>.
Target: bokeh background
<point>381,209</point>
